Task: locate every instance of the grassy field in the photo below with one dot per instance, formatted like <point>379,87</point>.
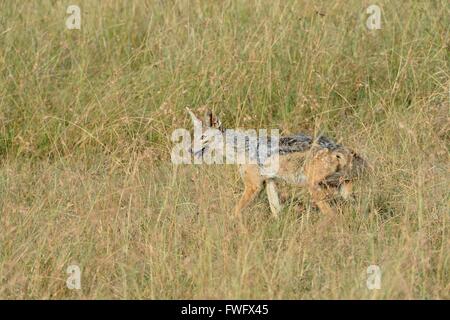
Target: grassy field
<point>86,118</point>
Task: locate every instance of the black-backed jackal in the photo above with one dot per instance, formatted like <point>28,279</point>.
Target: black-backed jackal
<point>320,165</point>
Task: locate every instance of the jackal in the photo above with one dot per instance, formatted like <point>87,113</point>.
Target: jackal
<point>320,165</point>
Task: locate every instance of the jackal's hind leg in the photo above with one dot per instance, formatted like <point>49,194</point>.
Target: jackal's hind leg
<point>320,197</point>
<point>322,165</point>
<point>345,190</point>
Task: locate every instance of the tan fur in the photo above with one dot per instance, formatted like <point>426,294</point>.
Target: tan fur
<point>252,185</point>
<point>323,167</point>
<point>322,171</point>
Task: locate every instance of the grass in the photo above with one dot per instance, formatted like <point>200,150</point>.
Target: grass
<point>86,118</point>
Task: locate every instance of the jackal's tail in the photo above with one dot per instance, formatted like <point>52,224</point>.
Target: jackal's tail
<point>360,165</point>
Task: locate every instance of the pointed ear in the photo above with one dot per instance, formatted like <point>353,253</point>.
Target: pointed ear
<point>195,121</point>
<point>212,120</point>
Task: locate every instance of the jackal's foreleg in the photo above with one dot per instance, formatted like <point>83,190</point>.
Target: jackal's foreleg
<point>252,186</point>
<point>272,195</point>
<point>250,192</point>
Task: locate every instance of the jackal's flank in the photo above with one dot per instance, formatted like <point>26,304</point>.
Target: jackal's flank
<point>321,165</point>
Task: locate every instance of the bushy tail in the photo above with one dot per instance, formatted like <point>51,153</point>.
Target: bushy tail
<point>360,165</point>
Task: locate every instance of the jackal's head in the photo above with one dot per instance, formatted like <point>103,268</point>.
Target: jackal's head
<point>208,134</point>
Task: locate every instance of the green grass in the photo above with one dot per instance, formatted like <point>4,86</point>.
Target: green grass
<point>86,118</point>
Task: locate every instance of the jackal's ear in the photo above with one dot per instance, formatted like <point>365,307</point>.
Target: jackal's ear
<point>212,120</point>
<point>195,121</point>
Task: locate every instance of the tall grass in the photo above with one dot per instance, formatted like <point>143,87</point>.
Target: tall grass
<point>86,118</point>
